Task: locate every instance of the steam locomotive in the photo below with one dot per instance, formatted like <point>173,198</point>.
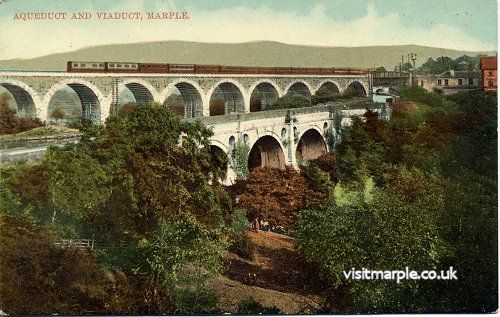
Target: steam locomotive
<point>121,67</point>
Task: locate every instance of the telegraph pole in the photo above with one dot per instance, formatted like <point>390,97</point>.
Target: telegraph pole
<point>413,58</point>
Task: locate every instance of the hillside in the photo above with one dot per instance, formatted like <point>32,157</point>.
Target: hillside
<point>276,277</point>
<point>251,54</point>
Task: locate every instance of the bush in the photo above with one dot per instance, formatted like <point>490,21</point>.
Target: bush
<point>197,301</point>
<point>10,123</point>
<point>250,306</point>
<point>239,221</point>
<point>288,102</point>
<point>39,277</point>
<point>242,245</point>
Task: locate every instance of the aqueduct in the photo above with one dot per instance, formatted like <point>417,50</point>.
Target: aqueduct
<point>231,105</point>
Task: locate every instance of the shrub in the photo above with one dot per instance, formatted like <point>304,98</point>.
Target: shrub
<point>39,277</point>
<point>239,221</point>
<point>291,101</point>
<point>197,301</point>
<point>10,123</point>
<point>250,306</point>
<point>242,245</point>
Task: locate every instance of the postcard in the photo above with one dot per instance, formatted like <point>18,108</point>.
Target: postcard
<point>248,157</point>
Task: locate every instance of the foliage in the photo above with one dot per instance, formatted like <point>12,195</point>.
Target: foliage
<point>239,159</point>
<point>430,145</point>
<point>10,123</point>
<point>380,69</point>
<point>242,245</point>
<point>141,187</point>
<point>290,101</point>
<point>275,195</point>
<point>317,179</point>
<point>57,114</point>
<point>134,295</point>
<point>40,278</point>
<point>444,63</point>
<point>78,183</point>
<point>383,234</point>
<point>250,306</point>
<point>182,256</point>
<point>325,96</point>
<point>239,221</point>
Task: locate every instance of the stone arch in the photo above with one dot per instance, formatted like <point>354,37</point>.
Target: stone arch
<point>225,97</point>
<point>91,98</point>
<point>144,92</point>
<point>328,87</point>
<point>267,151</point>
<point>299,87</point>
<point>26,98</point>
<point>311,145</point>
<point>262,94</point>
<point>358,88</point>
<point>191,95</point>
<point>218,155</point>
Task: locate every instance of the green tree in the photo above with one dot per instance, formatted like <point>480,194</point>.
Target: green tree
<point>290,101</point>
<point>382,234</point>
<point>179,259</point>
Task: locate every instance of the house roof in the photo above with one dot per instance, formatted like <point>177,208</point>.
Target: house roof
<point>460,74</point>
<point>489,62</point>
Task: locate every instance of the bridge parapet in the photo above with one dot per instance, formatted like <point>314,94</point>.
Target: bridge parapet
<point>356,103</point>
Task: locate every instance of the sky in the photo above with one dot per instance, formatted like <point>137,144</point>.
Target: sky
<point>455,24</point>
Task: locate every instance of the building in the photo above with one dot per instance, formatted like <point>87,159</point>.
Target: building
<point>488,67</point>
<point>451,81</point>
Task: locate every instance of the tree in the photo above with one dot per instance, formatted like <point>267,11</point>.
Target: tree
<point>35,271</point>
<point>407,67</point>
<point>274,195</point>
<point>290,101</point>
<point>180,258</point>
<point>372,228</point>
<point>380,69</point>
<point>10,123</point>
<point>57,114</point>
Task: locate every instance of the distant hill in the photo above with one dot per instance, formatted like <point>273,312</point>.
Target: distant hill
<point>244,54</point>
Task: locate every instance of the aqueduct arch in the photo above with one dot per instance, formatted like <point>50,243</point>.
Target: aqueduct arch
<point>311,146</point>
<point>266,152</point>
<point>219,159</point>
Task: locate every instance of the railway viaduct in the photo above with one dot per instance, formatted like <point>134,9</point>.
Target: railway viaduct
<point>273,138</point>
<point>97,92</point>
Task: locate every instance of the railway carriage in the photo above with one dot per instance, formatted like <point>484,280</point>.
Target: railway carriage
<point>156,68</point>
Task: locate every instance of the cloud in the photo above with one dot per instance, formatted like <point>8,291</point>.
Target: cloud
<point>232,25</point>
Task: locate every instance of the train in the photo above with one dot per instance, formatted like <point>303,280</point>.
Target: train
<point>157,68</point>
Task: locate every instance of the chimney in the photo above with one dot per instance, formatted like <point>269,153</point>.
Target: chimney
<point>452,72</point>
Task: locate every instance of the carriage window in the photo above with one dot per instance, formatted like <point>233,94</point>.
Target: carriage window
<point>75,65</point>
<point>101,65</point>
<point>94,65</point>
<point>82,65</point>
<point>119,65</point>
